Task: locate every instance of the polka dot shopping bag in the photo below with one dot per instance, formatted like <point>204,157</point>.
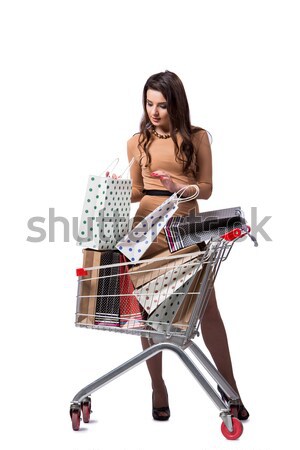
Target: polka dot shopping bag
<point>158,290</point>
<point>138,240</point>
<point>106,210</point>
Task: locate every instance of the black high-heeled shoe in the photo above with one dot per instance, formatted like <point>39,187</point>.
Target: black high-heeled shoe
<point>156,412</point>
<point>237,410</point>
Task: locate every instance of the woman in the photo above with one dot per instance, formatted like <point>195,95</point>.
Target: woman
<point>169,154</point>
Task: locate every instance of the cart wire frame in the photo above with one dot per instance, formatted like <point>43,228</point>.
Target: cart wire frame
<point>172,335</point>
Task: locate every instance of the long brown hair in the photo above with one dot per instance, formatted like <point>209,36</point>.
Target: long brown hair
<point>171,87</point>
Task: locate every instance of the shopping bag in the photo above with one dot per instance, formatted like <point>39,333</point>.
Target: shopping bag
<point>184,313</point>
<point>139,239</point>
<point>181,232</point>
<point>98,294</point>
<point>88,287</point>
<point>162,317</point>
<point>152,294</point>
<point>159,263</point>
<point>108,293</point>
<point>131,312</point>
<point>106,212</point>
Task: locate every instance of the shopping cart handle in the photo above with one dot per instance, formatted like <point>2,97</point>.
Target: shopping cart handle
<point>81,272</point>
<point>233,234</point>
<point>237,233</point>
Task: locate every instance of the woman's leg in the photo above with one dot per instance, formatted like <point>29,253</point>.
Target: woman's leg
<point>160,394</point>
<point>215,338</point>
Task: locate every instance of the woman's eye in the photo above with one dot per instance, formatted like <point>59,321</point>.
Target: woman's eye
<point>162,106</point>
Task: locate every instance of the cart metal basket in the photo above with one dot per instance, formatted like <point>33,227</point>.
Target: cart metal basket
<point>162,299</point>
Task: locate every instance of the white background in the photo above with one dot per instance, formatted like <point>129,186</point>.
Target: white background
<point>72,74</point>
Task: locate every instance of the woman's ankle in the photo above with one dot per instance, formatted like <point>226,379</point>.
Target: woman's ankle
<point>158,384</point>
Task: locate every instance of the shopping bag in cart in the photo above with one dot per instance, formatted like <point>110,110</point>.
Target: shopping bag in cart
<point>185,310</point>
<point>131,312</point>
<point>159,263</point>
<point>106,212</point>
<point>99,289</point>
<point>163,316</point>
<point>88,288</point>
<point>108,293</point>
<point>152,294</point>
<point>181,232</point>
<point>139,239</point>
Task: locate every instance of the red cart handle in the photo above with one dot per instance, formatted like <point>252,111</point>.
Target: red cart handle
<point>235,234</point>
<point>81,272</point>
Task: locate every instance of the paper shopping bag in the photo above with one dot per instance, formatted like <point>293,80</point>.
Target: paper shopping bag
<point>139,239</point>
<point>108,293</point>
<point>184,313</point>
<point>98,299</point>
<point>152,294</point>
<point>106,212</point>
<point>182,232</point>
<point>159,263</point>
<point>162,317</point>
<point>131,312</point>
<point>88,287</point>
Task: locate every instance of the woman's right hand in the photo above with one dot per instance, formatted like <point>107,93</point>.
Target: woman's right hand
<point>165,179</point>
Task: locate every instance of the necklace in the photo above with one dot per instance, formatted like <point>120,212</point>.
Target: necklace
<point>160,136</point>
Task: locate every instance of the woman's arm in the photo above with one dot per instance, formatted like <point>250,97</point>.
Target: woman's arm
<point>135,174</point>
<point>203,175</point>
<point>204,163</point>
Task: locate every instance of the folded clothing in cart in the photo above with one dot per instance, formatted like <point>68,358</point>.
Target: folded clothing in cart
<point>182,232</point>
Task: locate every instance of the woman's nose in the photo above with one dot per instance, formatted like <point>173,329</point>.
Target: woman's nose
<point>155,111</point>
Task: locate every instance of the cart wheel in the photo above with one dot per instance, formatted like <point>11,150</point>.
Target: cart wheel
<point>86,409</point>
<point>236,432</point>
<point>75,417</point>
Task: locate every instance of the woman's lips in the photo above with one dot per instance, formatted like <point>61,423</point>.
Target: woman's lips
<point>155,119</point>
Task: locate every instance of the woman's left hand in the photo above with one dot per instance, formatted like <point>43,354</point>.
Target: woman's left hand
<point>165,179</point>
<point>113,175</point>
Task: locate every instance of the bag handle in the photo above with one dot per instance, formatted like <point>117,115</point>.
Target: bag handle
<point>127,168</point>
<point>190,197</point>
<point>113,164</point>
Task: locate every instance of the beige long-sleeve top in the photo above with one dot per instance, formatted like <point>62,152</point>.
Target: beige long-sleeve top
<point>163,158</point>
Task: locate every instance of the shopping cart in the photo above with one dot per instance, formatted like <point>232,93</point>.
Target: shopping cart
<point>162,299</point>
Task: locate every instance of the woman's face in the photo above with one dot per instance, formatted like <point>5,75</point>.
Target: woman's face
<point>156,107</point>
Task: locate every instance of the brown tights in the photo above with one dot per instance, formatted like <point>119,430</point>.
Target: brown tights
<point>215,338</point>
